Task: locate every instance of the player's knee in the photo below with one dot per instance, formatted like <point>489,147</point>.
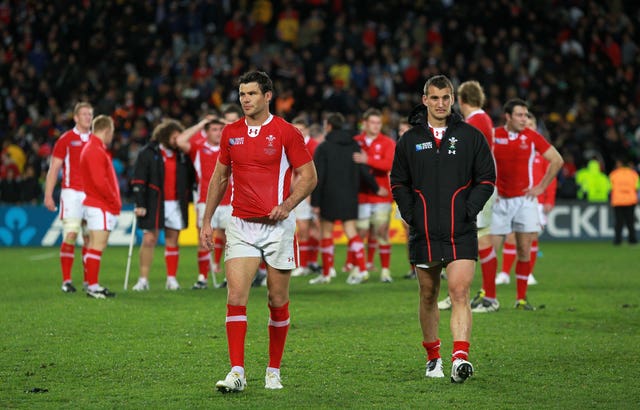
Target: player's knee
<point>70,229</point>
<point>149,239</point>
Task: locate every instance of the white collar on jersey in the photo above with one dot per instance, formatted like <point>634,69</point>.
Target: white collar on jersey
<point>83,136</point>
<point>254,130</point>
<point>167,151</point>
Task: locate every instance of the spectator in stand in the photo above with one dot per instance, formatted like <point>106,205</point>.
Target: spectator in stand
<point>30,187</point>
<point>546,202</point>
<point>102,201</point>
<point>624,199</point>
<point>162,181</point>
<point>374,211</point>
<point>66,157</point>
<point>336,197</point>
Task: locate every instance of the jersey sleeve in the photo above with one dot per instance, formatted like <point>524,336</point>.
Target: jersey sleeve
<point>295,148</point>
<point>60,147</point>
<point>224,158</point>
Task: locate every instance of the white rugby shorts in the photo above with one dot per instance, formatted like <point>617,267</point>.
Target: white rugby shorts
<point>303,210</point>
<point>275,243</point>
<point>71,203</point>
<point>374,214</point>
<point>99,219</point>
<point>173,215</point>
<point>517,214</point>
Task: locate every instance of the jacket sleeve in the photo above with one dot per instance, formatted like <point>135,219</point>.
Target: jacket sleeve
<point>401,182</point>
<point>140,180</point>
<point>367,177</point>
<point>484,176</point>
<point>319,160</point>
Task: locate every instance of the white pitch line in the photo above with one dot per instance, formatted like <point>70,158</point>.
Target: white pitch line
<point>42,256</point>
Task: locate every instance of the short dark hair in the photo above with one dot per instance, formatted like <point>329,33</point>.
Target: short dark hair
<point>438,81</point>
<point>163,131</point>
<point>512,103</point>
<point>336,120</point>
<point>260,77</point>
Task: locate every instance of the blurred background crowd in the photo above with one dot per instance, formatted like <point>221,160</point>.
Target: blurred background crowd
<point>575,61</point>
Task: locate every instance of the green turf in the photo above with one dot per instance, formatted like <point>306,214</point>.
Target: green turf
<point>348,347</point>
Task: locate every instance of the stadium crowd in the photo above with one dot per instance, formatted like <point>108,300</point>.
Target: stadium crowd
<point>575,61</point>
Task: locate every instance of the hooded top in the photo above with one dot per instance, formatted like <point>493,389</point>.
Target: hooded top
<point>339,177</point>
<point>439,191</point>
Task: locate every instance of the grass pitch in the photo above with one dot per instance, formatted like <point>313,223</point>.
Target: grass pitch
<point>348,346</point>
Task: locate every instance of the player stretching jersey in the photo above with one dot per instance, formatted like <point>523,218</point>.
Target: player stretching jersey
<point>374,212</point>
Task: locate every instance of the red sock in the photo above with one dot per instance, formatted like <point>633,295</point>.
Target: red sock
<point>508,256</point>
<point>303,251</point>
<point>460,350</point>
<point>523,269</point>
<point>204,262</point>
<point>351,259</point>
<point>433,349</point>
<point>357,247</point>
<point>372,246</point>
<point>314,248</point>
<point>171,260</point>
<point>534,255</point>
<point>84,268</point>
<point>66,260</point>
<point>236,332</point>
<point>92,264</point>
<point>327,255</point>
<point>218,247</point>
<point>263,266</point>
<point>489,265</point>
<point>385,256</point>
<point>278,328</point>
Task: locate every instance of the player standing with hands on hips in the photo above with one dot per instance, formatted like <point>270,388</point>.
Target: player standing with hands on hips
<point>262,151</point>
<point>442,175</point>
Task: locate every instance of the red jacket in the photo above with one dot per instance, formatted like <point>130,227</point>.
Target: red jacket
<point>99,177</point>
<point>380,159</point>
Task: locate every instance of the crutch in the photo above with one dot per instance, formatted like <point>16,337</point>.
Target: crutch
<point>131,240</point>
<point>213,273</point>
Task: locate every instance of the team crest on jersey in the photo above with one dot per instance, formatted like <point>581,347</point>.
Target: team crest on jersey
<point>424,145</point>
<point>236,141</point>
<point>523,142</point>
<point>452,145</point>
<point>270,140</point>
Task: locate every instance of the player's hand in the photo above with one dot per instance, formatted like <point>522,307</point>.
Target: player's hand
<point>382,191</point>
<point>533,192</point>
<point>359,157</point>
<point>140,211</point>
<point>279,213</point>
<point>206,236</point>
<point>546,208</point>
<point>50,204</point>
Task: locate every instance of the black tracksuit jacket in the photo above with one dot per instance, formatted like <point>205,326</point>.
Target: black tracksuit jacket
<point>439,191</point>
<point>148,185</point>
<point>339,178</point>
